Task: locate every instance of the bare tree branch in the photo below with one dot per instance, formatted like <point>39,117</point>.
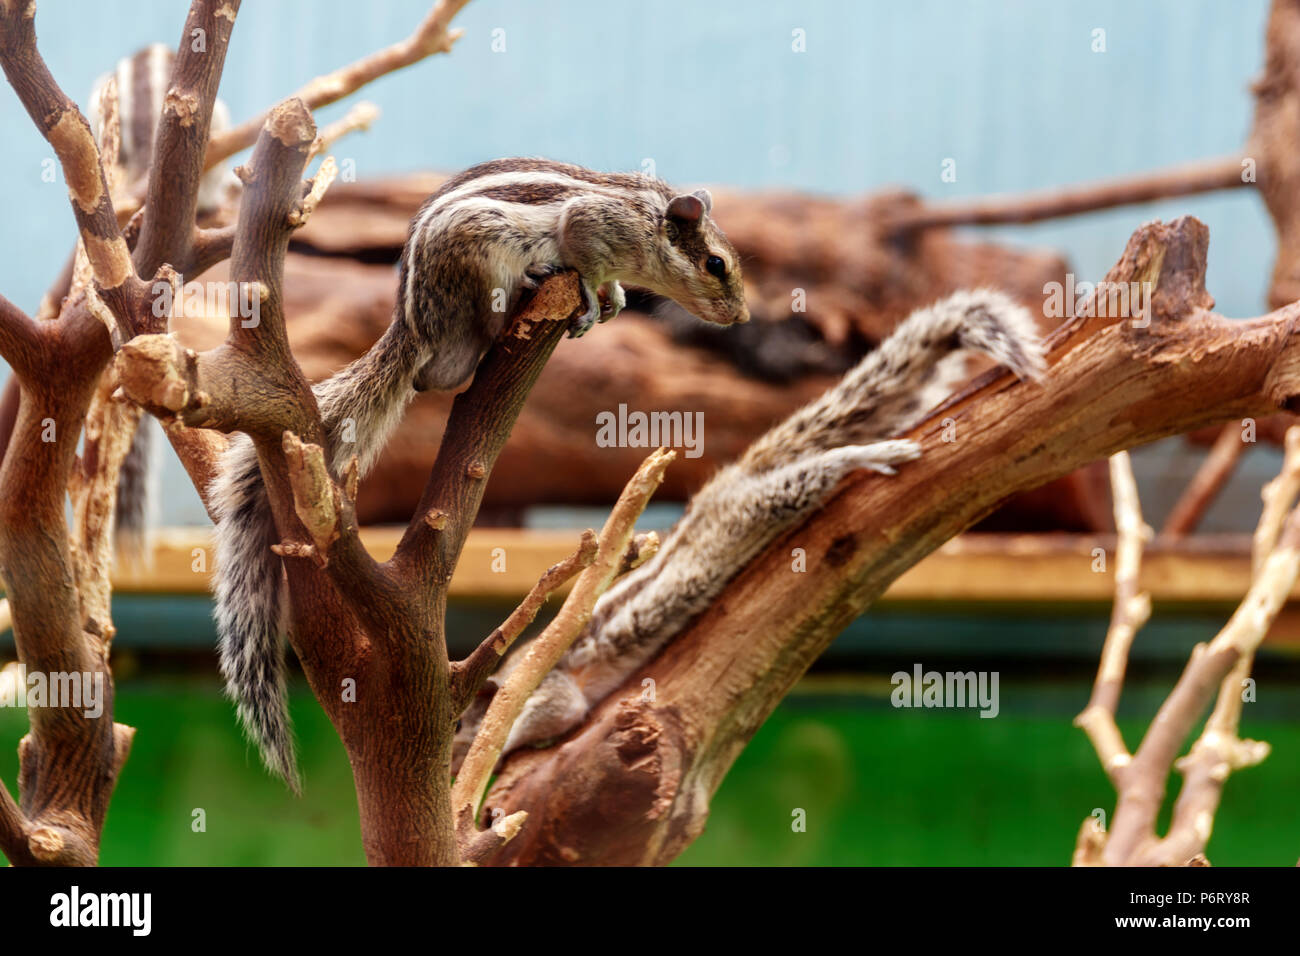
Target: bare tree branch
<point>468,676</point>
<point>545,652</point>
<point>1279,497</point>
<point>1197,177</point>
<point>1131,610</point>
<point>180,144</point>
<point>433,35</point>
<point>19,337</point>
<point>1206,483</point>
<point>1113,383</point>
<point>360,117</point>
<point>477,429</point>
<point>67,131</point>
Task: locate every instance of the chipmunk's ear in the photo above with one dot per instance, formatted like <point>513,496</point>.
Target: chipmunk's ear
<point>703,196</point>
<point>686,211</point>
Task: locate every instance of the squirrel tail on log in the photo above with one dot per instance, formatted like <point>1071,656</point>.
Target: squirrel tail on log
<point>784,476</point>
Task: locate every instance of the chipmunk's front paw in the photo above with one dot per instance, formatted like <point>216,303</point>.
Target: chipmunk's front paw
<point>612,300</point>
<point>581,325</point>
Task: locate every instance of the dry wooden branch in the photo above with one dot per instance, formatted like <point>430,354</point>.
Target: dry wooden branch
<point>1130,612</point>
<point>433,35</point>
<point>1112,384</point>
<point>1218,752</point>
<point>468,675</point>
<point>477,427</point>
<point>1272,145</point>
<point>19,341</point>
<point>1279,497</point>
<point>110,425</point>
<point>545,652</point>
<point>360,117</point>
<point>71,759</point>
<point>1187,179</point>
<point>1206,483</point>
<point>180,144</point>
<point>68,133</point>
<point>1225,662</point>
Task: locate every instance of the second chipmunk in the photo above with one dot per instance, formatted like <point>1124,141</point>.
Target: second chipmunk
<point>478,243</point>
<point>784,476</point>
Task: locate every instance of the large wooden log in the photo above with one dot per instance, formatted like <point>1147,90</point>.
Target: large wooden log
<point>633,783</point>
<point>827,257</point>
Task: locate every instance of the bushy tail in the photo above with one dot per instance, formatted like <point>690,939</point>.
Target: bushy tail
<point>249,621</point>
<point>782,476</point>
<point>360,406</point>
<point>137,495</point>
<point>911,371</point>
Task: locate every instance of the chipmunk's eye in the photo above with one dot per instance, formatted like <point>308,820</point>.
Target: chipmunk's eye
<point>716,266</point>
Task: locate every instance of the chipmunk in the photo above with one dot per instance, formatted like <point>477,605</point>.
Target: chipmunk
<point>475,246</point>
<point>142,81</point>
<point>781,478</point>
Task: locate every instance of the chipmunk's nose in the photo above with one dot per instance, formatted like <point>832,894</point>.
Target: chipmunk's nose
<point>742,315</point>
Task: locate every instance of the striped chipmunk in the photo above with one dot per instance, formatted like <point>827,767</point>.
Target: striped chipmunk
<point>783,477</point>
<point>486,236</point>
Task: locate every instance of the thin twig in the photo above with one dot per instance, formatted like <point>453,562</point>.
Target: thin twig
<point>544,652</point>
<point>1279,495</point>
<point>1206,483</point>
<point>1130,611</point>
<point>1197,177</point>
<point>1222,664</point>
<point>431,36</point>
<point>468,675</point>
<point>360,117</point>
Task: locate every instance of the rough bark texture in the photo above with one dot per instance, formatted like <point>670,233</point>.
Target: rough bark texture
<point>1272,144</point>
<point>633,783</point>
<point>70,761</point>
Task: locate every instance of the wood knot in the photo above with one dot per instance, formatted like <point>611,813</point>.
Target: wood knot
<point>841,550</point>
<point>46,843</point>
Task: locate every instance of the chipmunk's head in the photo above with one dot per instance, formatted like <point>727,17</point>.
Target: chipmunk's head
<point>698,268</point>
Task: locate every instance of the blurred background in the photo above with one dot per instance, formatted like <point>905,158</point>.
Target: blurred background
<point>881,97</point>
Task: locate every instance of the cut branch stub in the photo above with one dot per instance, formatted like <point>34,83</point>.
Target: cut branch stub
<point>317,500</point>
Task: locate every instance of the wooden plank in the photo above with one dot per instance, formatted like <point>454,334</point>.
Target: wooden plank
<point>1033,569</point>
<point>1054,569</point>
<point>975,573</point>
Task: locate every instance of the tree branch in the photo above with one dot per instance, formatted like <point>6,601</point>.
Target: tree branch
<point>431,36</point>
<point>1197,177</point>
<point>1206,483</point>
<point>19,337</point>
<point>1132,839</point>
<point>1130,611</point>
<point>68,133</point>
<point>477,428</point>
<point>180,144</point>
<point>1112,384</point>
<point>468,676</point>
<point>545,652</point>
<point>360,117</point>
